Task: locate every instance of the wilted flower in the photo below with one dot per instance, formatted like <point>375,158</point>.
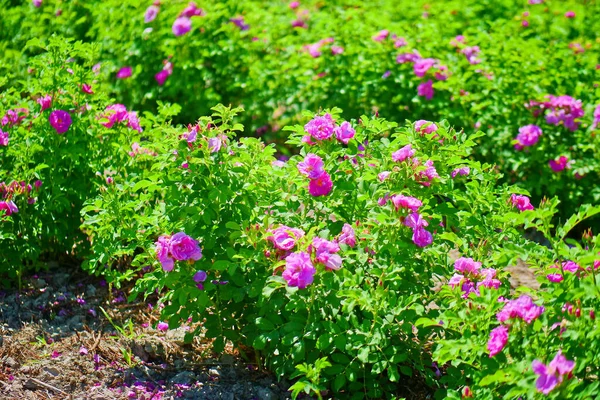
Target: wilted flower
<point>471,54</point>
<point>325,253</point>
<point>381,35</point>
<point>3,138</point>
<point>9,207</point>
<point>335,50</point>
<point>85,88</point>
<point>240,23</point>
<point>60,121</point>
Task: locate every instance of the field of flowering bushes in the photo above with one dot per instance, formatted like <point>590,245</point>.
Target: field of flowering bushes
<point>341,187</point>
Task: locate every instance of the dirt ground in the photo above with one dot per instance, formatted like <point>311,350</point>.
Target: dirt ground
<point>56,343</point>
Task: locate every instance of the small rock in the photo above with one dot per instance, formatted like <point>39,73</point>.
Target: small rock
<point>10,362</point>
<point>52,371</point>
<point>176,336</point>
<point>39,283</point>
<point>91,290</point>
<point>139,351</point>
<point>183,378</point>
<point>214,372</point>
<point>264,393</point>
<point>227,359</point>
<point>31,385</point>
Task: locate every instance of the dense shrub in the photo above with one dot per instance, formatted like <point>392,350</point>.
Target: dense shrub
<point>375,251</point>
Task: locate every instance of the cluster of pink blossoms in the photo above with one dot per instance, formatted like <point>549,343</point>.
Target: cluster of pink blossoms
<point>320,182</point>
<point>14,189</point>
<point>315,49</point>
<point>421,66</point>
<point>470,52</point>
<point>117,113</point>
<point>137,149</point>
<point>472,277</point>
<point>567,266</point>
<point>324,127</point>
<point>528,136</point>
<point>421,236</point>
<point>299,268</point>
<point>522,308</point>
<point>552,375</point>
<point>14,117</point>
<point>180,247</point>
<point>424,176</point>
<point>521,202</point>
<point>559,109</point>
<point>384,34</point>
<point>183,23</point>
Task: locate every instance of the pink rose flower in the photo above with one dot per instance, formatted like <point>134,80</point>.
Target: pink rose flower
<point>182,247</point>
<point>425,127</point>
<point>299,271</point>
<point>521,202</point>
<point>60,121</point>
<point>181,26</point>
<point>45,102</point>
<point>320,186</point>
<point>347,236</point>
<point>312,166</point>
<point>124,72</point>
<point>498,339</point>
<point>403,154</point>
<point>151,13</point>
<point>344,132</point>
<point>426,90</point>
<point>320,127</point>
<point>406,202</point>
